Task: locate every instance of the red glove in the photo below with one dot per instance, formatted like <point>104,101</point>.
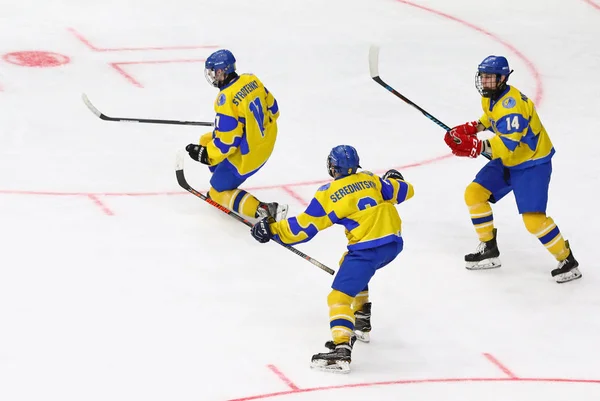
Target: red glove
<point>463,140</point>
<point>466,128</point>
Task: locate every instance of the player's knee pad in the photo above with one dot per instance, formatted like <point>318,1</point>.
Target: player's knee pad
<point>338,298</point>
<point>475,194</point>
<point>535,222</point>
<point>222,198</point>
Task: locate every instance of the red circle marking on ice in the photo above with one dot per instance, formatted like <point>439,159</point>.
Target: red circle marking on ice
<point>36,58</point>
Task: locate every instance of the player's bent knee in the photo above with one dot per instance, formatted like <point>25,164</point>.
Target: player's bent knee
<point>222,198</point>
<point>534,222</point>
<point>336,297</point>
<point>476,194</point>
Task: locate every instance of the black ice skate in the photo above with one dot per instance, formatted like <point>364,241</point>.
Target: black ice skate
<point>567,269</point>
<point>330,345</point>
<point>273,209</point>
<point>486,256</point>
<point>362,325</point>
<point>336,361</point>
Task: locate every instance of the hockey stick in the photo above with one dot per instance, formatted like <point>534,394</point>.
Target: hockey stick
<point>184,184</point>
<point>374,70</point>
<point>139,120</point>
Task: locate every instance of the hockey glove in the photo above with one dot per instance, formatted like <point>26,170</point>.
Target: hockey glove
<point>393,174</point>
<point>465,129</point>
<point>462,144</point>
<point>198,153</point>
<point>261,230</point>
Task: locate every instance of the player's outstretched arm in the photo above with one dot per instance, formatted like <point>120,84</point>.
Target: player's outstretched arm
<point>394,188</point>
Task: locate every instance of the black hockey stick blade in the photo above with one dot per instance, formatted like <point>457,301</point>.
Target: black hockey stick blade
<point>104,117</point>
<point>374,71</point>
<point>185,185</point>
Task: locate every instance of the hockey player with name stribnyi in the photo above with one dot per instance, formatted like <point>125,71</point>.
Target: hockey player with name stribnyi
<point>363,204</point>
<point>520,153</point>
<point>243,138</point>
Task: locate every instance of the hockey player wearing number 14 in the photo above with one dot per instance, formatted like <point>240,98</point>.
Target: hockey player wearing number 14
<point>520,153</point>
<point>243,138</point>
<point>363,204</point>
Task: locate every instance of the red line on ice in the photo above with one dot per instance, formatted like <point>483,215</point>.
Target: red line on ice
<point>539,92</point>
<point>500,366</point>
<point>164,193</point>
<point>419,381</point>
<point>593,4</point>
<point>100,204</point>
<point>123,73</point>
<point>117,66</point>
<point>294,195</point>
<point>283,377</point>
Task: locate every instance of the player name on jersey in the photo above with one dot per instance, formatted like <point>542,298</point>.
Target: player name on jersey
<point>245,91</point>
<point>349,189</point>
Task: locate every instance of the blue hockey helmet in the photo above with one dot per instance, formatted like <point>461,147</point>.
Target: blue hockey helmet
<point>220,60</point>
<point>342,161</point>
<point>497,65</point>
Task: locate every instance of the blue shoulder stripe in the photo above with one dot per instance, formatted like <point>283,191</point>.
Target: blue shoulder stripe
<point>315,209</point>
<point>387,189</point>
<point>402,192</point>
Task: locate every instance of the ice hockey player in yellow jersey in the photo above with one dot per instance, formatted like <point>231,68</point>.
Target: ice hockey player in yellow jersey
<point>520,153</point>
<point>243,138</point>
<point>363,204</point>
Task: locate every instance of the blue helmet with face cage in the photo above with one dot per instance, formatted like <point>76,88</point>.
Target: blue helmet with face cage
<point>220,60</point>
<point>342,161</point>
<point>497,65</point>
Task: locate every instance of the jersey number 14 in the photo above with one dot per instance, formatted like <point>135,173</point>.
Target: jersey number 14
<point>514,124</point>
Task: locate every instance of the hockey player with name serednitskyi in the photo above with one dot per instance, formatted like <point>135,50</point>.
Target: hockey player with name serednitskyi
<point>363,204</point>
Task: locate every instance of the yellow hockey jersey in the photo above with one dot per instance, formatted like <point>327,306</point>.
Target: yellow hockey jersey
<point>521,140</point>
<point>245,125</point>
<point>363,203</point>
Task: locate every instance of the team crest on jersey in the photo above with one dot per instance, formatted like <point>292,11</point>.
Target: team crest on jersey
<point>509,103</point>
<point>221,100</point>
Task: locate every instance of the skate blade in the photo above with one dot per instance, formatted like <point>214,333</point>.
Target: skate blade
<point>571,275</point>
<point>327,366</point>
<point>491,263</point>
<point>362,336</point>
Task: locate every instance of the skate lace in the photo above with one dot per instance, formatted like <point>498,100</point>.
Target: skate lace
<point>480,248</point>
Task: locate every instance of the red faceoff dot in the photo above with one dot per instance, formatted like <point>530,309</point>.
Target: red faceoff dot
<point>36,59</point>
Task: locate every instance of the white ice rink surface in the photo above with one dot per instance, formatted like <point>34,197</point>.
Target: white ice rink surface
<point>117,285</point>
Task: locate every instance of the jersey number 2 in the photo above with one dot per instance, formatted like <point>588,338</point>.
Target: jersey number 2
<point>366,202</point>
<point>257,110</point>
